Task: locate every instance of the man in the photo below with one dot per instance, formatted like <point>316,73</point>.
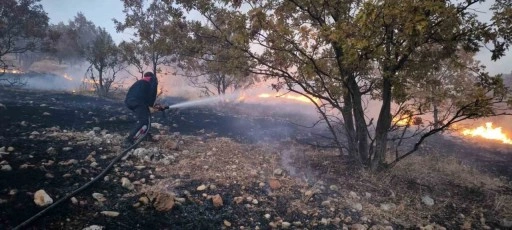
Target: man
<point>140,97</point>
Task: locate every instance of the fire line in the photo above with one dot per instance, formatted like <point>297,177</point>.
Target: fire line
<point>488,132</point>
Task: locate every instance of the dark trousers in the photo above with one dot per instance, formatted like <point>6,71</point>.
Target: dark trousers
<point>142,113</point>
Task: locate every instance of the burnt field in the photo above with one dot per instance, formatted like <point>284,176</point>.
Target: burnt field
<point>212,169</point>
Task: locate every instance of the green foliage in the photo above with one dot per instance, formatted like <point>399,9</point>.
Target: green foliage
<point>415,57</point>
<point>23,26</point>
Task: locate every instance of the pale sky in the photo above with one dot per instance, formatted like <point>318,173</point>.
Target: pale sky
<point>101,13</point>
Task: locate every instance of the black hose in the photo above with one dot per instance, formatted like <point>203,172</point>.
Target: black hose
<point>115,160</point>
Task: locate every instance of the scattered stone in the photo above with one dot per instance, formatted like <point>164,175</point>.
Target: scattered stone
<point>94,227</point>
<point>427,200</point>
<point>357,206</point>
<point>238,199</point>
<point>74,200</point>
<point>144,200</point>
<point>2,106</point>
<point>41,198</point>
<point>227,223</point>
<point>201,187</point>
<point>47,114</point>
<point>125,182</point>
<point>285,225</point>
<point>66,149</point>
<point>267,216</point>
<point>99,197</point>
<point>506,223</point>
<point>254,201</point>
<point>217,201</point>
<point>353,195</point>
<point>13,192</point>
<point>94,164</point>
<point>10,149</point>
<point>110,213</point>
<point>51,150</point>
<point>140,167</point>
<point>387,206</point>
<point>357,227</point>
<point>35,133</point>
<point>6,168</point>
<point>274,184</point>
<point>278,172</point>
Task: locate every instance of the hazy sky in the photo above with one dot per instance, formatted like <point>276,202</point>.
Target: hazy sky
<point>101,12</point>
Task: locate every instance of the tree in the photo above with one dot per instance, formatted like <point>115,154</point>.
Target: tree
<point>157,31</point>
<point>346,52</point>
<point>212,64</point>
<point>23,25</point>
<point>103,55</point>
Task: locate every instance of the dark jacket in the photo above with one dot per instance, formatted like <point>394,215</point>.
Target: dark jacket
<point>142,92</point>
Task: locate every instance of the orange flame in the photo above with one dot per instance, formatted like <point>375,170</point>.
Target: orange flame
<point>488,132</point>
<point>300,98</point>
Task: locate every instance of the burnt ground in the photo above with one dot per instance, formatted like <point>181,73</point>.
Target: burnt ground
<point>239,157</point>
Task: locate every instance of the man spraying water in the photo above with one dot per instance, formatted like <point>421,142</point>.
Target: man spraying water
<point>141,100</point>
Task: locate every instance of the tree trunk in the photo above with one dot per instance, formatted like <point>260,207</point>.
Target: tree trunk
<point>383,125</point>
<point>360,121</point>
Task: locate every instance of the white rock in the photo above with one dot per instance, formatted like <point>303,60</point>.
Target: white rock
<point>3,106</point>
<point>10,149</point>
<point>201,187</point>
<point>41,198</point>
<point>285,225</point>
<point>65,149</point>
<point>94,227</point>
<point>125,182</point>
<point>99,197</point>
<point>357,206</point>
<point>110,213</point>
<point>427,200</point>
<point>267,216</point>
<point>278,172</point>
<point>6,168</point>
<point>74,200</point>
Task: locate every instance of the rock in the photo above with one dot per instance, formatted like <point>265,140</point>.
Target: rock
<point>325,221</point>
<point>99,197</point>
<point>144,200</point>
<point>94,227</point>
<point>357,227</point>
<point>506,223</point>
<point>353,195</point>
<point>6,168</point>
<point>357,206</point>
<point>34,133</point>
<point>140,167</point>
<point>2,106</point>
<point>217,201</point>
<point>41,198</point>
<point>285,225</point>
<point>466,225</point>
<point>10,149</point>
<point>227,223</point>
<point>74,200</point>
<point>156,125</point>
<point>254,201</point>
<point>238,199</point>
<point>333,188</point>
<point>267,216</point>
<point>274,184</point>
<point>66,149</point>
<point>51,150</point>
<point>201,187</point>
<point>427,200</point>
<point>278,172</point>
<point>125,182</point>
<point>110,213</point>
<point>387,206</point>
